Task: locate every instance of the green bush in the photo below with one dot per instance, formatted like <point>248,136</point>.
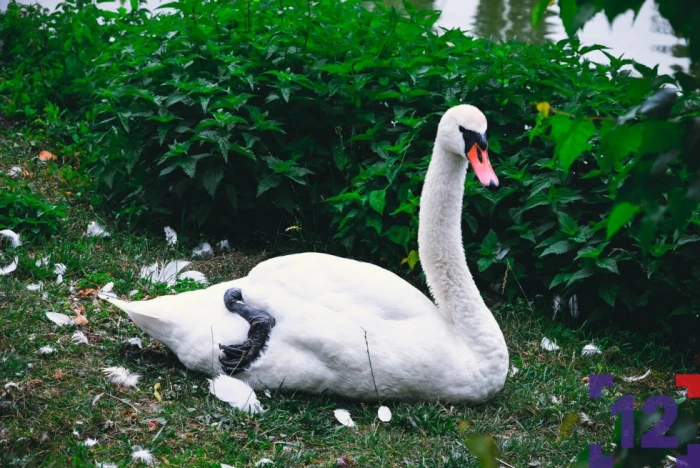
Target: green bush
<point>241,115</point>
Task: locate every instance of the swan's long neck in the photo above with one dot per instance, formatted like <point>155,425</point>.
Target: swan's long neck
<point>442,257</point>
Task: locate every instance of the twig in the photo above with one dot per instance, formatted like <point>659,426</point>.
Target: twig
<point>161,430</point>
<point>504,463</point>
<point>529,306</point>
<point>125,402</point>
<point>370,365</point>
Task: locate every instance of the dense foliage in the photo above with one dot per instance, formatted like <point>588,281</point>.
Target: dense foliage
<point>262,114</point>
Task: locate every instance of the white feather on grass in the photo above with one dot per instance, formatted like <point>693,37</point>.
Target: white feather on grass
<point>168,273</point>
<point>59,319</point>
<point>106,291</point>
<point>47,350</point>
<point>223,245</point>
<point>170,236</point>
<point>95,230</point>
<point>10,385</point>
<point>637,378</point>
<point>203,250</point>
<point>6,270</point>
<point>548,344</point>
<point>194,275</point>
<point>35,286</point>
<point>121,376</point>
<point>236,393</point>
<point>90,442</point>
<point>264,461</point>
<point>135,342</point>
<point>344,418</point>
<point>105,465</point>
<point>14,171</point>
<point>43,261</point>
<point>143,455</point>
<point>590,350</point>
<point>79,338</point>
<point>15,241</point>
<point>384,414</point>
<point>59,269</point>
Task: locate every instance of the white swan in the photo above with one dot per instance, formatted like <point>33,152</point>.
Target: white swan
<point>322,305</point>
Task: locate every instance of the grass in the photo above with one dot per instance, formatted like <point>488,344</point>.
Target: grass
<point>44,421</point>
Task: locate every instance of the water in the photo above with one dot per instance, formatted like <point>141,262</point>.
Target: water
<point>648,39</point>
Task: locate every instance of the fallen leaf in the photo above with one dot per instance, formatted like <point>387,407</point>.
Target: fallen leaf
<point>57,374</point>
<point>155,391</point>
<point>152,425</point>
<point>80,320</point>
<point>47,156</point>
<point>585,379</point>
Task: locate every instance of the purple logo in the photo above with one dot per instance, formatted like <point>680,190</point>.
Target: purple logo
<point>654,437</point>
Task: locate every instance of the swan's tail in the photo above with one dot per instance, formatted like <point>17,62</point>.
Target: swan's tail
<point>150,322</point>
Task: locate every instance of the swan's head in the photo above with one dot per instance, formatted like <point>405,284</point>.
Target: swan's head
<point>462,132</point>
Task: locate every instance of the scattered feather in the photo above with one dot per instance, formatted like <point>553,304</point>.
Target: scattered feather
<point>35,286</point>
<point>133,292</point>
<point>384,414</point>
<point>95,230</point>
<point>59,319</point>
<point>513,370</point>
<point>96,399</point>
<point>548,344</point>
<point>15,241</point>
<point>556,306</point>
<point>267,393</point>
<point>236,393</point>
<point>10,385</point>
<point>105,465</point>
<point>194,275</point>
<point>163,273</point>
<point>59,279</point>
<point>6,270</point>
<point>203,250</point>
<point>43,261</point>
<point>14,171</point>
<point>555,400</point>
<point>224,465</point>
<point>121,376</point>
<point>585,419</point>
<point>590,350</point>
<point>223,245</point>
<point>89,442</point>
<point>142,455</point>
<point>106,291</point>
<point>170,236</point>
<point>59,269</point>
<point>637,378</point>
<point>47,350</point>
<point>264,461</point>
<point>573,306</point>
<point>79,338</point>
<point>135,342</point>
<point>343,417</point>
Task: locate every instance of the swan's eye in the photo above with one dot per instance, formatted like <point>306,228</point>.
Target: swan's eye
<point>472,138</point>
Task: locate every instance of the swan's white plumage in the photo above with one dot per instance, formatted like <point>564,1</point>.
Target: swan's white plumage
<point>324,305</point>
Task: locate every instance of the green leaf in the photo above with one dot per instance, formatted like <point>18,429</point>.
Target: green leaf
<point>489,244</point>
<point>412,259</point>
<point>211,180</point>
<point>618,143</point>
<point>375,222</point>
<point>538,12</point>
<point>484,262</point>
<point>607,290</point>
<point>567,224</point>
<point>559,279</point>
<point>557,248</point>
<point>608,264</point>
<point>377,200</point>
<point>579,275</point>
<point>484,449</point>
<point>268,182</point>
<point>571,138</point>
<point>620,215</point>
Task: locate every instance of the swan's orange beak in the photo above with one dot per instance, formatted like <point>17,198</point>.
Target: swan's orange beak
<point>479,159</point>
